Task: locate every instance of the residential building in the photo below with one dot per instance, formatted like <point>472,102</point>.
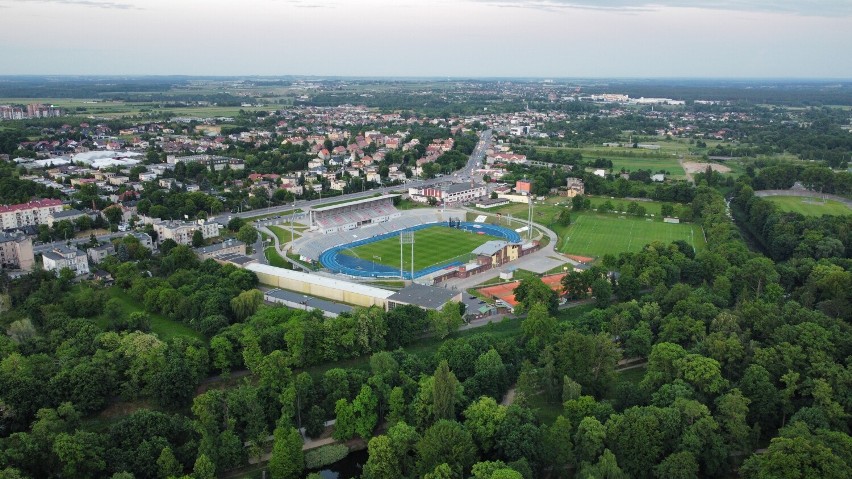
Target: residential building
<point>63,257</point>
<point>181,231</point>
<point>575,187</point>
<point>16,251</point>
<point>453,193</point>
<point>144,239</point>
<point>523,187</point>
<point>27,214</point>
<point>99,253</point>
<point>64,215</point>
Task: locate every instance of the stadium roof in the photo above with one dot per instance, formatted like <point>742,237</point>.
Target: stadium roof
<point>356,202</point>
<point>490,247</point>
<point>428,297</point>
<point>320,280</point>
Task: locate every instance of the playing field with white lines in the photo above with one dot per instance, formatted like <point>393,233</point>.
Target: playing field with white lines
<point>595,235</point>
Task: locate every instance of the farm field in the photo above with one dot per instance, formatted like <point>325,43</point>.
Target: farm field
<point>809,206</point>
<point>431,246</point>
<point>592,234</point>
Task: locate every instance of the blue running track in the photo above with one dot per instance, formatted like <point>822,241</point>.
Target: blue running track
<point>336,261</point>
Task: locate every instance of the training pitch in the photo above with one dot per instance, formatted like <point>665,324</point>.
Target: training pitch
<point>596,235</point>
<point>435,245</point>
<point>809,206</point>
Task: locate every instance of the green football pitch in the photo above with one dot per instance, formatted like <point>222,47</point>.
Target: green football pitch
<point>596,235</point>
<point>809,206</point>
<point>438,244</point>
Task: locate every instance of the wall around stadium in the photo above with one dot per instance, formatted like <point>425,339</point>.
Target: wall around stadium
<point>320,286</point>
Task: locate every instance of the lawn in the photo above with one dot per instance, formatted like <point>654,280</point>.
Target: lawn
<point>431,246</point>
<point>810,206</point>
<point>283,235</point>
<point>164,327</point>
<point>593,234</point>
<point>275,258</point>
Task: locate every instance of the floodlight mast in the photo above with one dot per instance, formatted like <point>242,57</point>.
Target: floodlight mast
<point>406,237</point>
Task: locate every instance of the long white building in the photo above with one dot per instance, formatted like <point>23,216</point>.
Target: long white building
<point>36,212</point>
<point>449,194</point>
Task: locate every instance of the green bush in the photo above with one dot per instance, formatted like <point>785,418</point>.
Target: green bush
<point>325,455</point>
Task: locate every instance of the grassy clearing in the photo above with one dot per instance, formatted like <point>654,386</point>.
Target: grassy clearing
<point>431,246</point>
<point>593,234</point>
<point>162,326</point>
<point>283,235</point>
<point>275,259</point>
<point>810,206</point>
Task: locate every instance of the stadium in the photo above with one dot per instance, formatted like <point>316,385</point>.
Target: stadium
<point>362,239</point>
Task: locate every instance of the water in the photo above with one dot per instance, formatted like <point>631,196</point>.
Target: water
<point>347,468</point>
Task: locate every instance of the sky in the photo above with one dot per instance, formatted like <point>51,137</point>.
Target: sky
<point>430,38</point>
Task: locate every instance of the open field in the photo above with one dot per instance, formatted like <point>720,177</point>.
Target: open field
<point>592,234</point>
<point>810,206</point>
<point>87,107</point>
<point>431,246</point>
<point>164,327</point>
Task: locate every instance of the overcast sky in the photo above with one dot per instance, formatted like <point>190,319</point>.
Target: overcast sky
<point>467,38</point>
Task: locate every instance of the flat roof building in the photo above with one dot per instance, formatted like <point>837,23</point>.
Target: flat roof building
<point>426,297</point>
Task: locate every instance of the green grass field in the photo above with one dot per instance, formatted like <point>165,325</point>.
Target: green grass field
<point>162,326</point>
<point>275,258</point>
<point>431,246</point>
<point>810,206</point>
<point>595,235</point>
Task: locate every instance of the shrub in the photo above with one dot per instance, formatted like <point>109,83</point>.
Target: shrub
<point>325,455</point>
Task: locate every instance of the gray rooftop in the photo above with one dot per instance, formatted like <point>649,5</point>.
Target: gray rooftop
<point>237,259</point>
<point>490,247</point>
<point>66,214</point>
<point>356,202</point>
<point>428,297</point>
<point>309,301</point>
<point>219,246</point>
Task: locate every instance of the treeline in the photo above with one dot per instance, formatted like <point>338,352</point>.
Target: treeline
<point>15,190</point>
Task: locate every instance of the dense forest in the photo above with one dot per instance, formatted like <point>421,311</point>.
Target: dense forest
<point>742,354</point>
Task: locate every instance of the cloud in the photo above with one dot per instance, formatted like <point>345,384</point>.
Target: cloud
<point>821,8</point>
<point>90,3</point>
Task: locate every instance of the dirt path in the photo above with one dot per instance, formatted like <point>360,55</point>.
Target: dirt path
<point>509,398</point>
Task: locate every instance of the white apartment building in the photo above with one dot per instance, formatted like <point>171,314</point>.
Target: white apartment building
<point>181,231</point>
<point>66,257</point>
<point>36,212</point>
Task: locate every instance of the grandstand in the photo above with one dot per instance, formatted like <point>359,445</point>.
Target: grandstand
<point>348,216</point>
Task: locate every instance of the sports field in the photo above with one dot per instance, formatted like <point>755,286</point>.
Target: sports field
<point>596,235</point>
<point>431,246</point>
<point>810,206</point>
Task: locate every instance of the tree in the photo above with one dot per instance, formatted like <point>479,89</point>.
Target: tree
<point>246,303</point>
<point>532,290</point>
<point>446,321</point>
<point>482,418</point>
<point>287,460</point>
<point>680,465</point>
<point>602,291</point>
<point>397,408</point>
<point>559,445</point>
<point>204,468</point>
<point>168,465</point>
<point>564,218</point>
<point>382,461</point>
<point>247,234</point>
<point>589,439</point>
<point>605,468</point>
<point>539,327</point>
<point>364,408</point>
<point>795,457</point>
<point>446,442</point>
<point>345,421</point>
<point>197,239</point>
<point>113,214</point>
<point>444,392</point>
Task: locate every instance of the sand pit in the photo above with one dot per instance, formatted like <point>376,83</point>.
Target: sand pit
<point>692,167</point>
